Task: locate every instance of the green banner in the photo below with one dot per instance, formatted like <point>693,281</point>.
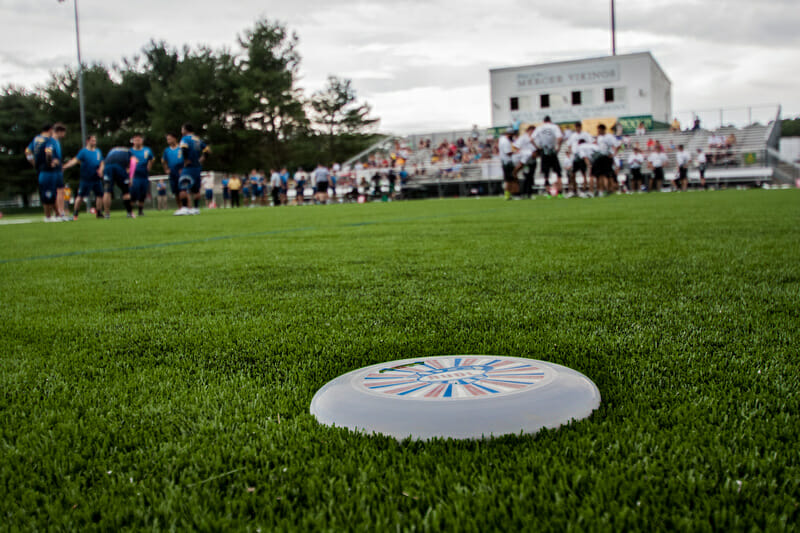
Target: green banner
<point>629,124</point>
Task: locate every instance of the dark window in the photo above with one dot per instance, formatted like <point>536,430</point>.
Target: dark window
<point>609,94</point>
<point>576,98</point>
<point>514,103</point>
<point>544,101</point>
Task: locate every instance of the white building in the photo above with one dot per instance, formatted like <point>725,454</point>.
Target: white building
<point>629,88</point>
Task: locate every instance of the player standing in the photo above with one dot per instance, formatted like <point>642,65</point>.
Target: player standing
<point>39,154</point>
<point>656,161</point>
<point>504,146</point>
<point>172,161</point>
<point>194,154</point>
<point>524,160</point>
<point>547,138</point>
<point>578,163</point>
<point>603,166</point>
<point>321,177</point>
<point>59,131</point>
<point>90,158</point>
<point>141,178</point>
<point>683,159</point>
<point>701,167</point>
<point>118,169</point>
<point>635,162</point>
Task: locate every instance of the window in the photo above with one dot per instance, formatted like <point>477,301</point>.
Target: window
<point>514,103</point>
<point>576,98</point>
<point>609,92</point>
<point>544,101</point>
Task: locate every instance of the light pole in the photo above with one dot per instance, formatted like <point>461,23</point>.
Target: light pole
<point>80,75</point>
<point>613,31</point>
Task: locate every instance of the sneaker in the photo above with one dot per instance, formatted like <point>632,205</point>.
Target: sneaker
<point>182,211</point>
<point>131,215</point>
<point>194,211</point>
<point>106,217</point>
<point>74,217</point>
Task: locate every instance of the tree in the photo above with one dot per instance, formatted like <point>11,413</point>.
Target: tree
<point>337,112</point>
<point>22,115</point>
<point>790,127</point>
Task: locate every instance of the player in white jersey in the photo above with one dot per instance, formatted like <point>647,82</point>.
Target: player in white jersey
<point>656,161</point>
<point>524,159</point>
<point>506,150</point>
<point>603,167</point>
<point>587,153</point>
<point>547,139</point>
<point>683,159</point>
<point>701,166</point>
<point>635,162</point>
<point>576,163</point>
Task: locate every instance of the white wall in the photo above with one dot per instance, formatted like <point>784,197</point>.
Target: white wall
<point>632,76</point>
<point>790,148</point>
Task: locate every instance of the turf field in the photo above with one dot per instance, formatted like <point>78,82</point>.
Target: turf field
<point>157,373</point>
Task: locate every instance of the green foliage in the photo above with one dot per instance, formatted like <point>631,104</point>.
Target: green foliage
<point>337,113</point>
<point>246,105</point>
<point>22,115</point>
<point>157,373</point>
<point>790,127</point>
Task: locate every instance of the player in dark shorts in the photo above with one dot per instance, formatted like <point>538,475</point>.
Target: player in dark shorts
<point>172,161</point>
<point>119,166</point>
<point>194,154</point>
<point>90,158</point>
<point>140,187</point>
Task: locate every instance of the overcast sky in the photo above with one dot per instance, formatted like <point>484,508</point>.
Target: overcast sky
<point>424,65</point>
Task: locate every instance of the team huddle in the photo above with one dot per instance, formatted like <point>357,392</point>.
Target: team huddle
<point>126,168</point>
<point>596,159</point>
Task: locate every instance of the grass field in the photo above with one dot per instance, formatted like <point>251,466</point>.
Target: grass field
<point>157,373</point>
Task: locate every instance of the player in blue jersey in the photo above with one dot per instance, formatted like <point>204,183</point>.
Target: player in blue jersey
<point>140,187</point>
<point>40,158</point>
<point>118,169</point>
<point>90,158</point>
<point>194,152</point>
<point>172,161</point>
<point>59,132</point>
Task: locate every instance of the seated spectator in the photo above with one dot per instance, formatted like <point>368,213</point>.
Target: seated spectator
<point>730,141</point>
<point>675,126</point>
<point>641,129</point>
<point>696,125</point>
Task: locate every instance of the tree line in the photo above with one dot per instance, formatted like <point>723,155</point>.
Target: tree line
<point>247,105</point>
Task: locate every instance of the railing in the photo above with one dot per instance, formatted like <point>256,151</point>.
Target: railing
<point>740,117</point>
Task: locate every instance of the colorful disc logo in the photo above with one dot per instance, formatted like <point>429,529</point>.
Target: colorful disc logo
<point>446,378</point>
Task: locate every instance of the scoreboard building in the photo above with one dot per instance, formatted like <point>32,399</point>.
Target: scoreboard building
<point>628,89</point>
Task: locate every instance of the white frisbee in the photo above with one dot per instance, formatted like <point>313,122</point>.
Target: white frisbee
<point>457,396</point>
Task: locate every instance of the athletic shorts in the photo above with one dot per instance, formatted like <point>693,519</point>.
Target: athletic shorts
<point>702,169</point>
<point>245,192</point>
<point>116,175</point>
<point>683,173</point>
<point>259,192</point>
<point>190,179</point>
<point>322,187</point>
<point>209,194</point>
<point>658,173</point>
<point>508,171</point>
<point>59,179</point>
<point>139,189</point>
<point>226,194</point>
<point>48,185</point>
<point>174,177</point>
<point>578,165</point>
<point>636,174</point>
<point>87,187</point>
<point>550,163</point>
<point>603,165</point>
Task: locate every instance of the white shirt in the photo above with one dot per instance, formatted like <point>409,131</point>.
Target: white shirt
<point>575,138</point>
<point>504,146</point>
<point>683,158</point>
<point>701,158</point>
<point>546,136</point>
<point>320,175</point>
<point>607,144</point>
<point>525,146</point>
<point>635,160</point>
<point>586,150</point>
<point>275,181</point>
<point>657,159</point>
<point>208,182</point>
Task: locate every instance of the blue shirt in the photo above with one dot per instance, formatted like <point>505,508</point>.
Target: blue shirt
<point>284,178</point>
<point>55,146</point>
<point>119,156</point>
<point>193,148</point>
<point>36,153</point>
<point>173,157</point>
<point>143,156</point>
<point>225,183</point>
<point>90,162</point>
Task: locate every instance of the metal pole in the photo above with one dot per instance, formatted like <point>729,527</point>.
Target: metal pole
<point>613,31</point>
<point>80,76</point>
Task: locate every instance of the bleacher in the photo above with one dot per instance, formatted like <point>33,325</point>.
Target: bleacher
<point>747,162</point>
